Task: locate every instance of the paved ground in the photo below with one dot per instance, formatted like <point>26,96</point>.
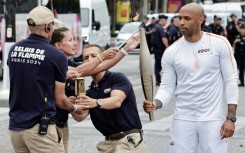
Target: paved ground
<point>83,136</point>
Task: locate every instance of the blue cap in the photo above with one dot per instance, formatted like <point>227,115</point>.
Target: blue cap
<point>163,17</point>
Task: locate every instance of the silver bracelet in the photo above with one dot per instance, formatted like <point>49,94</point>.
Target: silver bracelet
<point>124,52</point>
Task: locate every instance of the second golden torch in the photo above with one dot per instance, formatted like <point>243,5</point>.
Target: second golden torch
<point>80,86</point>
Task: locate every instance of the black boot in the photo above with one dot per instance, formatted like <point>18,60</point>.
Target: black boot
<point>241,85</point>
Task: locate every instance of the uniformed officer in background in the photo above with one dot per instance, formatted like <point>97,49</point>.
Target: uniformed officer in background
<point>173,31</point>
<point>205,27</point>
<point>239,47</point>
<point>231,29</point>
<point>147,31</point>
<point>159,43</point>
<point>152,24</point>
<point>216,26</point>
<point>149,27</point>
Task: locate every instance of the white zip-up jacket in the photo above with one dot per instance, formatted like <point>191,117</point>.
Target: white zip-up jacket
<point>203,77</point>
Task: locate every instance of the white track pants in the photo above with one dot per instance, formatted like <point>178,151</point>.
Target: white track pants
<point>187,135</point>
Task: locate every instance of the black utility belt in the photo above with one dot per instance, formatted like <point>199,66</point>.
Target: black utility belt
<point>61,124</point>
<point>120,135</point>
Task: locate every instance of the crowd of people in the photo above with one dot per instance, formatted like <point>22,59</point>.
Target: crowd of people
<point>197,68</point>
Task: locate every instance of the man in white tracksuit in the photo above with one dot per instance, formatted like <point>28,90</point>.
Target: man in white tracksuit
<point>201,71</point>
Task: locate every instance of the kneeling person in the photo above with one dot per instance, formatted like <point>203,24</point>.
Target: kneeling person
<point>111,103</point>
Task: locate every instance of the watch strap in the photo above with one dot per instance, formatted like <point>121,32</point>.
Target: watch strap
<point>98,102</point>
<point>232,118</point>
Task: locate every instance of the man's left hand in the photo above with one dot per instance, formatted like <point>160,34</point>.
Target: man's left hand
<point>227,129</point>
<point>86,102</point>
<point>132,43</point>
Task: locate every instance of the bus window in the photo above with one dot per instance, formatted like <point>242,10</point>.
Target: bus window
<point>85,17</point>
<point>68,11</point>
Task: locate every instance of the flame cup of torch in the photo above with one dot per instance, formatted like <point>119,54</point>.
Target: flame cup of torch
<point>80,86</point>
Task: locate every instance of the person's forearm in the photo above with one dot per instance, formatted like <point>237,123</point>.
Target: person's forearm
<point>165,42</point>
<point>111,102</point>
<point>64,103</point>
<point>85,68</point>
<point>237,28</point>
<point>234,46</point>
<point>107,64</point>
<point>232,109</point>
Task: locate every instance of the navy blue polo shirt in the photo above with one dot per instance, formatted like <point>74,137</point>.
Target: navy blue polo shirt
<point>216,29</point>
<point>62,114</point>
<point>157,34</point>
<point>34,66</point>
<point>115,120</point>
<point>173,33</point>
<point>231,32</point>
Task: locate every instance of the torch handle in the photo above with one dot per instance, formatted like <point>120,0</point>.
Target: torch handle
<point>151,116</point>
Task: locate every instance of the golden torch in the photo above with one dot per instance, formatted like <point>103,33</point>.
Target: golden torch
<point>146,70</point>
<point>80,86</point>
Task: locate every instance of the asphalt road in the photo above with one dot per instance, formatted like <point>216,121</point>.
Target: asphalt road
<point>84,137</point>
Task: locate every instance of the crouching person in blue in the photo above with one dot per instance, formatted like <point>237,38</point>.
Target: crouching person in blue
<point>111,103</point>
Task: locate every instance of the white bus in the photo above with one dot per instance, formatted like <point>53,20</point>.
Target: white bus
<point>67,11</point>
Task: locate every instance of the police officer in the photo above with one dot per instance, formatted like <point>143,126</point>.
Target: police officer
<point>150,27</point>
<point>152,24</point>
<point>231,29</point>
<point>204,27</point>
<point>147,31</point>
<point>239,47</point>
<point>159,43</point>
<point>216,26</point>
<point>173,31</point>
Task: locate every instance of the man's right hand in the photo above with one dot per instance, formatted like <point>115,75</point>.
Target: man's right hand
<point>109,53</point>
<point>149,106</point>
<point>71,74</point>
<point>80,110</point>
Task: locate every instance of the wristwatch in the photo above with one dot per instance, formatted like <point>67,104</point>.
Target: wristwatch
<point>99,103</point>
<point>232,118</point>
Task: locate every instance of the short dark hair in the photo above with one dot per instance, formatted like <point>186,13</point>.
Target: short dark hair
<point>163,17</point>
<point>145,17</point>
<point>94,45</point>
<point>232,14</point>
<point>58,35</point>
